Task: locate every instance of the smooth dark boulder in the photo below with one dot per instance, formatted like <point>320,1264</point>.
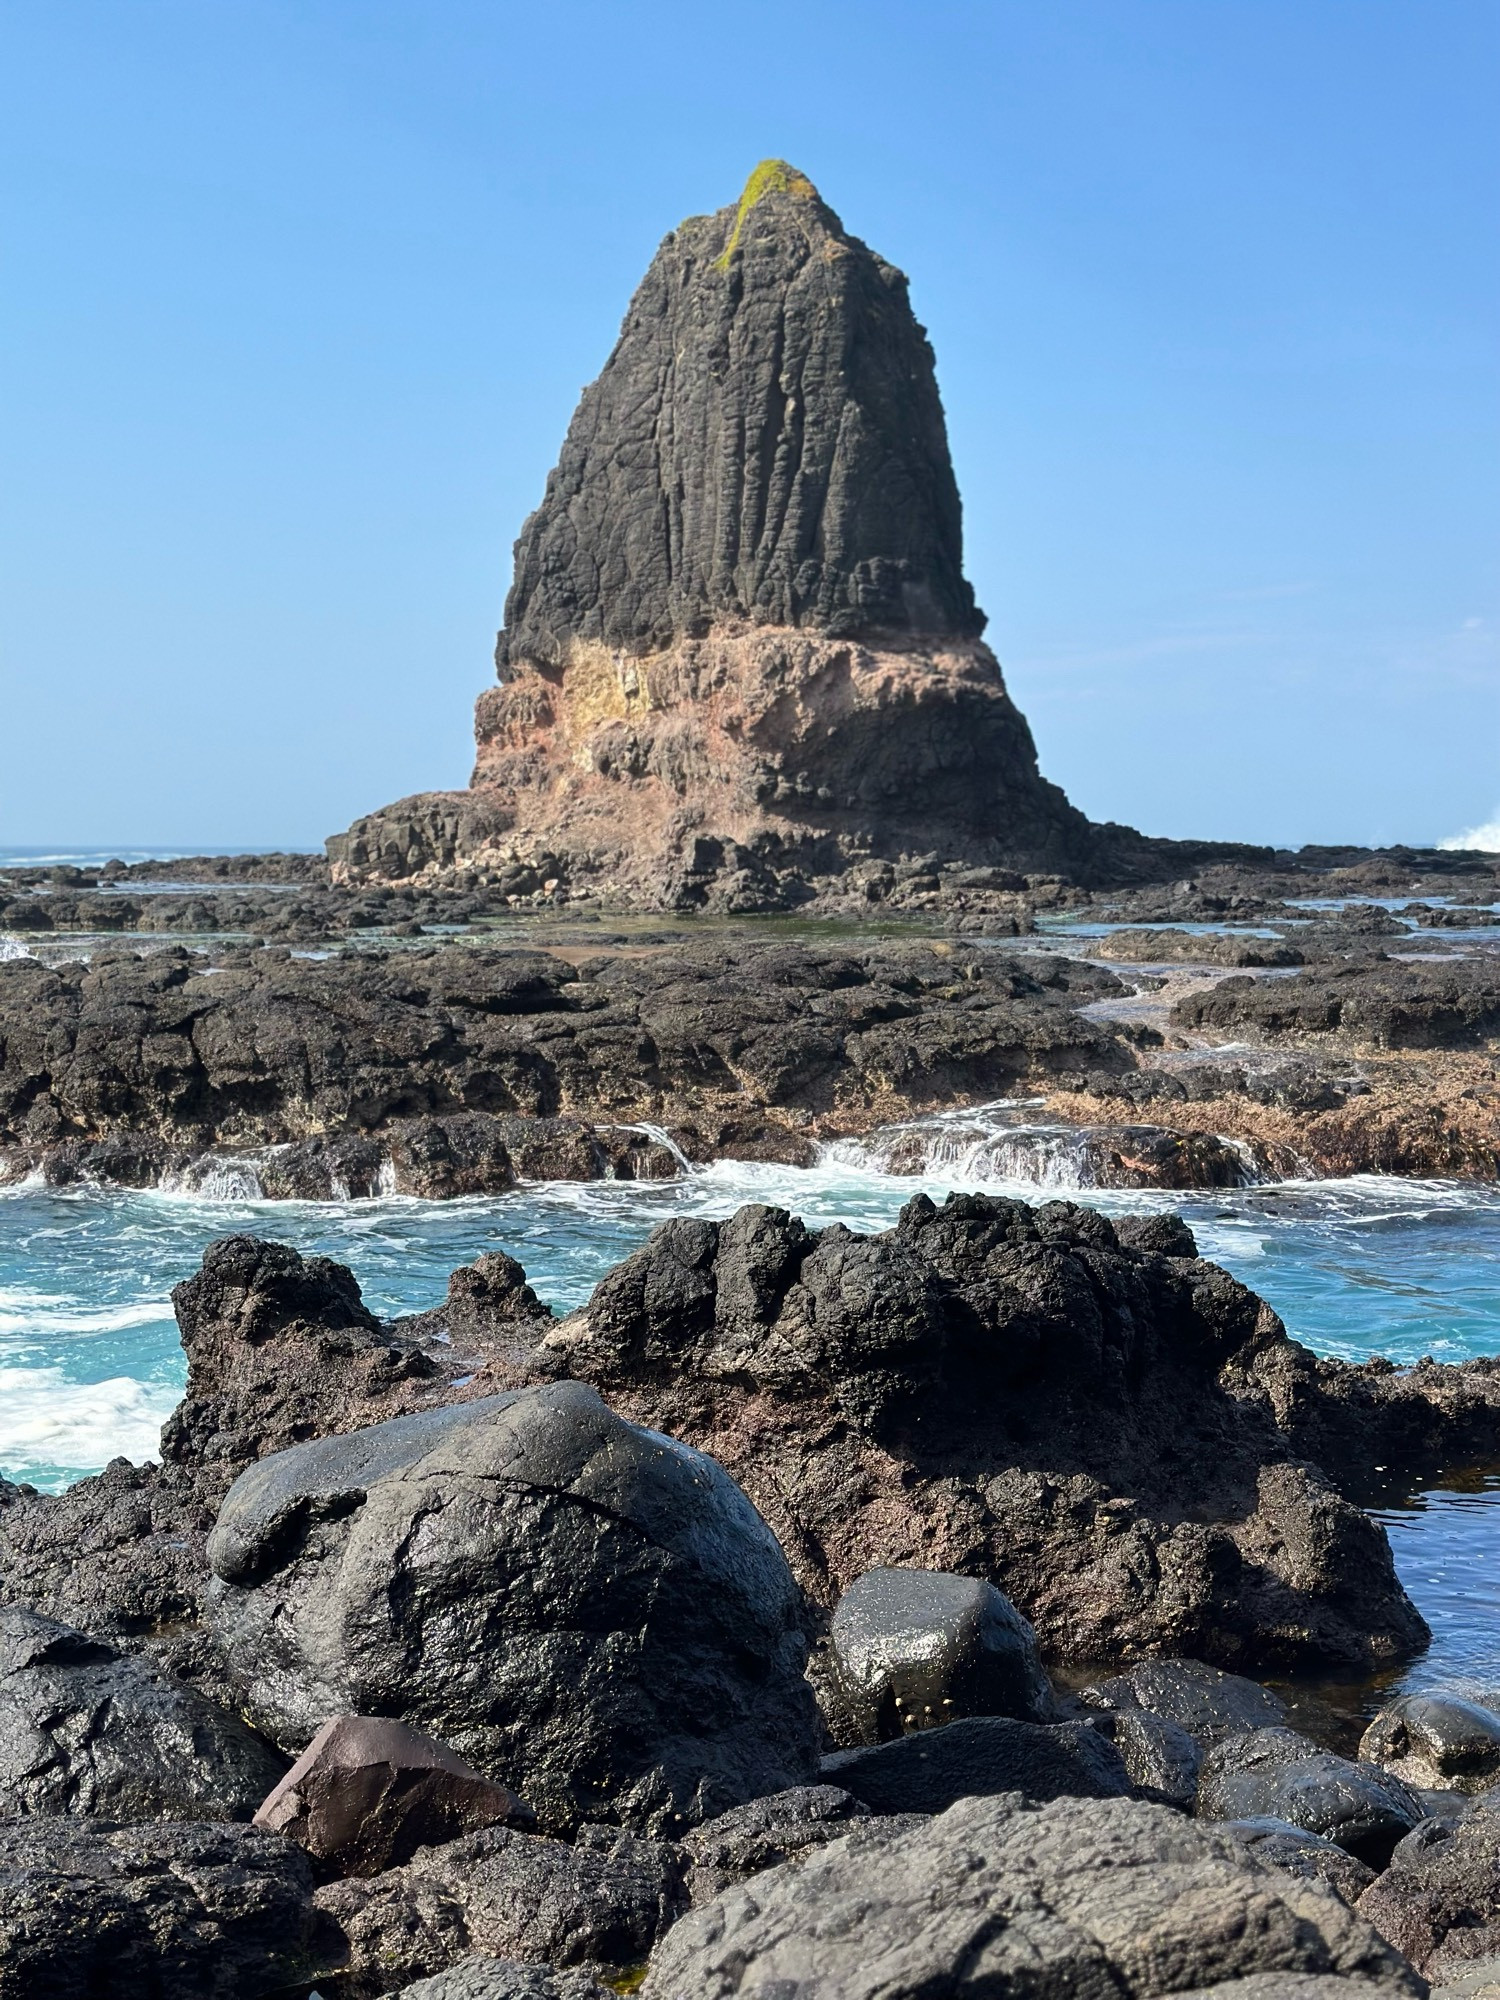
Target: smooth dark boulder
<point>914,1649</point>
<point>85,1729</point>
<point>1277,1774</point>
<point>173,1911</point>
<point>507,1895</point>
<point>1436,1740</point>
<point>926,1772</point>
<point>366,1793</point>
<point>1205,1701</point>
<point>590,1613</point>
<point>995,1898</point>
<point>1279,1844</point>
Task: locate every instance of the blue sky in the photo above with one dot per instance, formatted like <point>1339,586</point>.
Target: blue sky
<point>298,298</point>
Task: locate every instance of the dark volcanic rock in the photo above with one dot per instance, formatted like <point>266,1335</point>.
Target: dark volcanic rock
<point>505,1894</point>
<point>439,1063</point>
<point>281,1349</point>
<point>507,1979</point>
<point>1436,1740</point>
<point>1279,1844</point>
<point>1439,1901</point>
<point>994,1898</point>
<point>765,1832</point>
<point>1277,1774</point>
<point>85,1730</point>
<point>120,1555</point>
<point>926,1772</point>
<point>1383,1004</point>
<point>366,1793</point>
<point>1008,1393</point>
<point>592,1613</point>
<point>1203,1700</point>
<point>765,443</point>
<point>164,1912</point>
<point>740,653</point>
<point>1162,1759</point>
<point>912,1649</point>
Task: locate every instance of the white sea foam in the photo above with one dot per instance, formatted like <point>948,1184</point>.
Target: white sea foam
<point>24,1310</point>
<point>1485,839</point>
<point>45,1420</point>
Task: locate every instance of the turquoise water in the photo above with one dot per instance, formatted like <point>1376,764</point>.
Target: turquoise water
<point>89,1359</point>
<point>90,1363</point>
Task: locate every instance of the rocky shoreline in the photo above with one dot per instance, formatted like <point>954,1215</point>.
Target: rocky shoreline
<point>751,1570</point>
<point>384,1056</point>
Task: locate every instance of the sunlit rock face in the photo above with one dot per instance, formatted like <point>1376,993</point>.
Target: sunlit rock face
<point>740,655</point>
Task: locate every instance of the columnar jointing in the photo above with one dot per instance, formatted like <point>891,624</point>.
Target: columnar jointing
<point>741,661</point>
<point>766,443</point>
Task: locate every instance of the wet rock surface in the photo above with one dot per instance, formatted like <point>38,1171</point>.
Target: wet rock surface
<point>1205,1701</point>
<point>929,1771</point>
<point>995,1897</point>
<point>1439,1901</point>
<point>1277,1774</point>
<point>1380,1003</point>
<point>1435,1740</point>
<point>86,1730</point>
<point>163,1912</point>
<point>1276,1843</point>
<point>593,1614</point>
<point>502,1894</point>
<point>913,1649</point>
<point>462,1063</point>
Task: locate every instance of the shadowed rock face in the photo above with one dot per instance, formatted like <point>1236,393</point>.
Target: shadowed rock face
<point>765,443</point>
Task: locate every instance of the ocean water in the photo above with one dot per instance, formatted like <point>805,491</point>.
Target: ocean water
<point>90,1362</point>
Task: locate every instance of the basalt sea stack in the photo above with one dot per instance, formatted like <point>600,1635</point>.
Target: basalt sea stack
<point>740,654</point>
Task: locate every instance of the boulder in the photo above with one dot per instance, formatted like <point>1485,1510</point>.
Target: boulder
<point>926,1772</point>
<point>1277,1774</point>
<point>1437,1741</point>
<point>913,1649</point>
<point>507,1979</point>
<point>589,1612</point>
<point>1009,1393</point>
<point>1439,1901</point>
<point>1160,1756</point>
<point>1205,1701</point>
<point>85,1729</point>
<point>1279,1844</point>
<point>1479,1982</point>
<point>506,1895</point>
<point>996,1898</point>
<point>172,1911</point>
<point>765,1832</point>
<point>366,1793</point>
